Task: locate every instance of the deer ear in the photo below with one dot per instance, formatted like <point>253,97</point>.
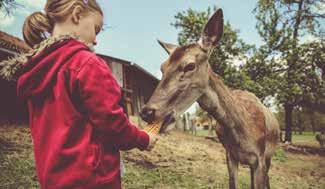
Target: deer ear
<point>213,31</point>
<point>169,48</point>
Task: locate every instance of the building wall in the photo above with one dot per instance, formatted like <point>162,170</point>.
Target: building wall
<point>144,88</point>
<point>12,109</point>
<point>138,86</point>
<point>117,70</point>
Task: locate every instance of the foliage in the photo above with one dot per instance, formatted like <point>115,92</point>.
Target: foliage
<point>283,67</point>
<point>280,155</point>
<point>311,76</point>
<point>303,120</point>
<point>282,24</point>
<point>202,114</point>
<point>264,72</point>
<point>8,5</point>
<point>227,57</point>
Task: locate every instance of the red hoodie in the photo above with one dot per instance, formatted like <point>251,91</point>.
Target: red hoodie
<point>76,123</point>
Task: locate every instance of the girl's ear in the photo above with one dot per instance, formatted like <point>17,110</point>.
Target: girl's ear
<point>76,14</point>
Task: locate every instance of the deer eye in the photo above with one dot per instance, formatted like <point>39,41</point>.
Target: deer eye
<point>189,67</point>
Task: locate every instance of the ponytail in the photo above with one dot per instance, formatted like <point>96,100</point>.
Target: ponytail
<point>35,28</point>
<point>38,25</point>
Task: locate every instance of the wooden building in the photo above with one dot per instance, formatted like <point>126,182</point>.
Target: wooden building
<point>137,84</point>
<point>11,108</point>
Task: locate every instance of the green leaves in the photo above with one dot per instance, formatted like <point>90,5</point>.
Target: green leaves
<point>282,67</point>
<point>8,5</point>
<point>282,25</point>
<point>227,57</point>
<point>191,24</point>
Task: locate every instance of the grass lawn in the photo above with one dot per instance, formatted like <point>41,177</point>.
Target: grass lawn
<point>16,158</point>
<point>178,161</point>
<point>307,138</point>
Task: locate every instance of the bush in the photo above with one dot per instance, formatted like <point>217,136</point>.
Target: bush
<point>280,155</point>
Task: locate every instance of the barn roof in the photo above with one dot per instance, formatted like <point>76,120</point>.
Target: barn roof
<point>132,64</point>
<point>12,43</point>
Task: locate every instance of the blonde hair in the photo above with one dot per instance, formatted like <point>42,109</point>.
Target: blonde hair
<point>39,24</point>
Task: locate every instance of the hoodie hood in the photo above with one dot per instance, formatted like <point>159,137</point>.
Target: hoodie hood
<point>40,72</point>
<point>10,69</point>
<point>37,70</point>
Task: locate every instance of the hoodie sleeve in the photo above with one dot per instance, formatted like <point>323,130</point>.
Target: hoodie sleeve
<point>100,94</point>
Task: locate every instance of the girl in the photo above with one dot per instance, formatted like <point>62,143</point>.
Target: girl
<point>76,123</point>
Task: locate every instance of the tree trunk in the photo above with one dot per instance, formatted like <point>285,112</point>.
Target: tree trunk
<point>312,122</point>
<point>288,106</point>
<point>300,123</point>
<point>288,122</point>
<point>184,123</point>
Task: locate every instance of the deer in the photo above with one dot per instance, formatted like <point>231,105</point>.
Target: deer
<point>249,131</point>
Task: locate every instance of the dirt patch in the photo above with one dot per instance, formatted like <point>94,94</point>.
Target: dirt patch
<point>179,161</point>
<point>203,161</point>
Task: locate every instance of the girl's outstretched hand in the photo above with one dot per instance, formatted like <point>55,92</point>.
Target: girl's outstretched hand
<point>153,138</point>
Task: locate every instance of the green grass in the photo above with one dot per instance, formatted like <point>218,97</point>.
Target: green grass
<point>280,155</point>
<point>307,138</point>
<point>203,133</point>
<point>178,161</point>
<point>168,178</point>
<point>16,158</point>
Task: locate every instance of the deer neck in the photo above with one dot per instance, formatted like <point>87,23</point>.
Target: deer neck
<point>219,102</point>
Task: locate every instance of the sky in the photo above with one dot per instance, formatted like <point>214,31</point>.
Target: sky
<point>133,27</point>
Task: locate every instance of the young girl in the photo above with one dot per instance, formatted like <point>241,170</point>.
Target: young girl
<point>76,123</point>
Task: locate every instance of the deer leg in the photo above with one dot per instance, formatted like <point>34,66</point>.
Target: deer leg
<point>232,170</point>
<point>267,164</point>
<point>252,169</point>
<point>259,175</point>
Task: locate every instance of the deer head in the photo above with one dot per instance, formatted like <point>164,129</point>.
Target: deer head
<point>185,75</point>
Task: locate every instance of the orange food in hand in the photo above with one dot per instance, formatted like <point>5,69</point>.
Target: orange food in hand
<point>154,127</point>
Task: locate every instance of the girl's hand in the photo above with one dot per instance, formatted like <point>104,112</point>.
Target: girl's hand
<point>153,138</point>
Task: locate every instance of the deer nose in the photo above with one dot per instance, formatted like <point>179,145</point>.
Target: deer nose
<point>148,114</point>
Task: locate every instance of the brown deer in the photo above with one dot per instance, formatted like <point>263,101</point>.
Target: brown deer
<point>249,131</point>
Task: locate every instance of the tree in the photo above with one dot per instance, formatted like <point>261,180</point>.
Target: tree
<point>264,72</point>
<point>304,119</point>
<point>276,68</point>
<point>8,6</point>
<point>281,24</point>
<point>225,59</point>
<point>313,75</point>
